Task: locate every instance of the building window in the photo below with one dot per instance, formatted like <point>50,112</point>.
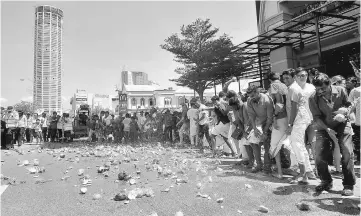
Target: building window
<point>151,103</point>
<point>167,101</point>
<point>142,102</point>
<point>134,102</point>
<point>180,100</point>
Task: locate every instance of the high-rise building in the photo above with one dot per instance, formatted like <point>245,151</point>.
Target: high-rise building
<point>48,58</point>
<point>134,78</point>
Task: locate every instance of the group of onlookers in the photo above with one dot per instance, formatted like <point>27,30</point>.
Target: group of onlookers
<point>143,126</point>
<point>17,127</point>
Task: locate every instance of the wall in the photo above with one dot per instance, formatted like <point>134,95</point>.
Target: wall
<point>103,101</point>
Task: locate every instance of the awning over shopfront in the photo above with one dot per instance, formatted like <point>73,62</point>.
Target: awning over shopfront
<point>322,22</point>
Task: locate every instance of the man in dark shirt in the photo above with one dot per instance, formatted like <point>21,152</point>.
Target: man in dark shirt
<point>3,132</point>
<point>260,110</point>
<point>167,121</point>
<point>221,109</point>
<point>332,126</point>
<point>53,126</point>
<point>185,124</point>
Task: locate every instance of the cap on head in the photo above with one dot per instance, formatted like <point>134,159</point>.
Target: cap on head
<point>10,108</point>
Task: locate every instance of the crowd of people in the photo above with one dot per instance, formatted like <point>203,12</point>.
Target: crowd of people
<point>17,127</point>
<point>303,116</point>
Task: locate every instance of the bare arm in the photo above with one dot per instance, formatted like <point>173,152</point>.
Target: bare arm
<point>251,115</point>
<point>293,114</point>
<point>270,109</point>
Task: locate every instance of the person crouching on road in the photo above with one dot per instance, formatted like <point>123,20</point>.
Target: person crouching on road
<point>221,110</point>
<point>22,124</point>
<point>260,111</point>
<point>330,110</point>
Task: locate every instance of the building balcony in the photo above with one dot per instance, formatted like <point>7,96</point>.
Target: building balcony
<point>326,6</point>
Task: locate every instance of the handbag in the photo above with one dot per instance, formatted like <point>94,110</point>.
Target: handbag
<point>237,134</point>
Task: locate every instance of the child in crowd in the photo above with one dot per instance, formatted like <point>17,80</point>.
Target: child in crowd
<point>37,131</point>
<point>67,127</point>
<point>126,123</point>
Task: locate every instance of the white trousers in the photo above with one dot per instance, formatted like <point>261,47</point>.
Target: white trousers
<point>297,139</point>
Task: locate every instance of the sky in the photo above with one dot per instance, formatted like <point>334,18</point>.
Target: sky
<point>100,38</point>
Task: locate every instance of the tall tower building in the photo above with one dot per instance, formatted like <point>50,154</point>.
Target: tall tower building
<point>48,58</point>
<point>134,78</point>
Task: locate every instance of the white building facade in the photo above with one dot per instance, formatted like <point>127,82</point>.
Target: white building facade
<point>47,90</point>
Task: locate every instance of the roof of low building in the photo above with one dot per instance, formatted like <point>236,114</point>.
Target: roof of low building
<point>141,88</point>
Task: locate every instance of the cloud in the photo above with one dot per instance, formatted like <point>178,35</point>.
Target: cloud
<point>3,101</point>
<point>27,99</point>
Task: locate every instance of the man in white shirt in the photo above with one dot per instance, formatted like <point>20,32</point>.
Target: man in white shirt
<point>354,98</point>
<point>192,115</point>
<point>44,126</point>
<point>203,122</point>
<point>21,125</point>
<point>141,121</point>
<point>67,127</point>
<point>107,120</point>
<point>11,118</point>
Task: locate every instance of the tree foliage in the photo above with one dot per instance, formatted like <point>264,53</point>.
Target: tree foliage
<point>26,107</point>
<point>206,59</point>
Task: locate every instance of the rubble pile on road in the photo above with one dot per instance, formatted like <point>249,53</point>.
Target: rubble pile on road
<point>127,167</point>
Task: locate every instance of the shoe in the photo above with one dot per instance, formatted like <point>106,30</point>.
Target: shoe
<point>256,169</point>
<point>324,186</point>
<point>336,173</point>
<point>347,191</point>
<point>311,175</point>
<point>267,172</point>
<point>250,165</point>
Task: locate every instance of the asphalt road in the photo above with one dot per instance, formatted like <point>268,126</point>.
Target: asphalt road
<point>242,191</point>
